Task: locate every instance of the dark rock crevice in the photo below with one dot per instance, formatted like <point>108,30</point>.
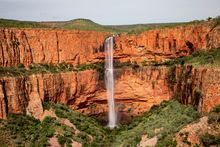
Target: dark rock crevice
<point>58,49</point>
<point>5,97</point>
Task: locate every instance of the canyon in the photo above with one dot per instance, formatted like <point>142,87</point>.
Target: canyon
<point>136,90</point>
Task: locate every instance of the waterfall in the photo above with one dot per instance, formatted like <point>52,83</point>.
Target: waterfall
<point>109,81</point>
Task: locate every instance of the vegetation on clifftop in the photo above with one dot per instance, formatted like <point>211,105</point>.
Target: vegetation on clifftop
<point>7,23</point>
<point>86,24</point>
<point>209,58</point>
<point>34,68</point>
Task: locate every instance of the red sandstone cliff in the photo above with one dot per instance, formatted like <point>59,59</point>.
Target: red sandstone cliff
<point>136,91</point>
<point>77,47</point>
<point>168,43</point>
<point>28,46</point>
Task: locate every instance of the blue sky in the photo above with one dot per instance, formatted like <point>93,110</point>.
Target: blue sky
<point>110,11</point>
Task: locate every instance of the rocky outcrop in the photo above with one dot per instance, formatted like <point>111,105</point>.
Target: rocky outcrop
<point>191,134</point>
<point>28,46</point>
<point>136,90</point>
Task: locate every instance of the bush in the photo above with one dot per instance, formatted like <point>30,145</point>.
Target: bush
<point>213,118</point>
<point>62,140</point>
<point>20,65</point>
<point>217,109</point>
<point>208,139</point>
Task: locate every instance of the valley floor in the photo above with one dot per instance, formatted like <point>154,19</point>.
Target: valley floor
<point>169,124</point>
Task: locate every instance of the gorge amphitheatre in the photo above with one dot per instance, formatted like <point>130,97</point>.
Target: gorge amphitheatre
<point>51,63</point>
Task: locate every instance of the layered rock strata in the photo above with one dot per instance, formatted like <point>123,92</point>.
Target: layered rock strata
<point>136,91</point>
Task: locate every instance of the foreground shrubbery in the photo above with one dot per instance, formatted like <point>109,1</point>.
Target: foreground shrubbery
<point>87,125</point>
<point>168,118</point>
<point>23,130</point>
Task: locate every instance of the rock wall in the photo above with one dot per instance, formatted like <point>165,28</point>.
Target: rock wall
<point>197,86</point>
<point>28,46</point>
<point>168,43</point>
<point>136,91</point>
<point>72,88</point>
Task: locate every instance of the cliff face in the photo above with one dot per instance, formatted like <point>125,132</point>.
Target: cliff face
<point>28,46</point>
<point>168,43</point>
<point>136,91</point>
<point>197,86</point>
<point>19,93</point>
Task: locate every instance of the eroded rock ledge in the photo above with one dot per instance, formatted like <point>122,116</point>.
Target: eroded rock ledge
<point>136,91</point>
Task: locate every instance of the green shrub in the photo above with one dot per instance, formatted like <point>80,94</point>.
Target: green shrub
<point>208,139</point>
<point>217,109</point>
<point>213,118</point>
<point>20,65</point>
<point>62,140</point>
<point>46,105</point>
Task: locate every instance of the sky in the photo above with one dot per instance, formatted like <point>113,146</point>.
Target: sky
<point>109,12</point>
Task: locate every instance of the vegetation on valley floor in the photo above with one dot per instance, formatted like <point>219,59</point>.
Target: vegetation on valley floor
<point>163,121</point>
<point>167,119</point>
<point>213,119</point>
<point>86,24</point>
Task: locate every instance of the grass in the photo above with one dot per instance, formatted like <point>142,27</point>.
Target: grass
<point>199,58</point>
